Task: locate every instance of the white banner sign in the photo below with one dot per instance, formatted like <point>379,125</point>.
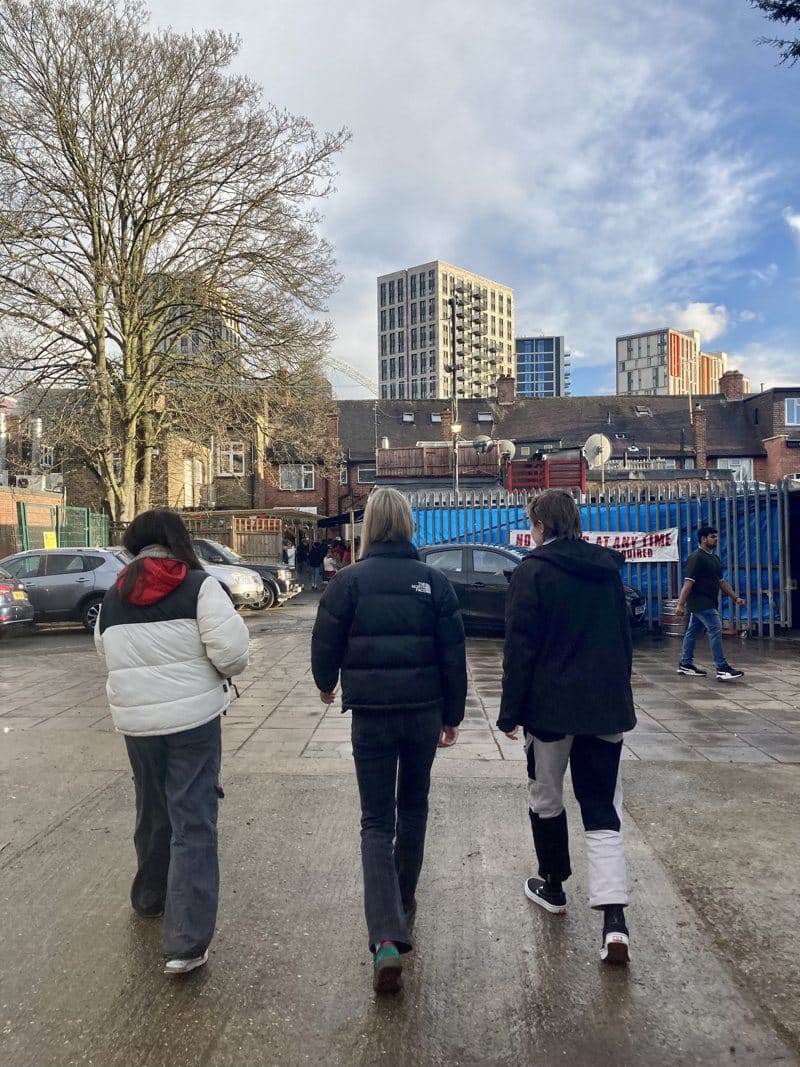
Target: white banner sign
<point>660,546</point>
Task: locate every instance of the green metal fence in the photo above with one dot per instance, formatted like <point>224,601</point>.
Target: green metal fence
<point>53,526</point>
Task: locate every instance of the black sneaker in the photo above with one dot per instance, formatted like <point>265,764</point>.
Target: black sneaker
<point>546,896</point>
<point>727,673</point>
<point>616,939</point>
<point>689,668</point>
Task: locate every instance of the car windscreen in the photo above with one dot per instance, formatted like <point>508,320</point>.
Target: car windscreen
<point>227,553</point>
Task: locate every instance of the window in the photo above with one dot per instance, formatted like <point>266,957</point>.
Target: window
<point>384,370</point>
<point>383,320</point>
<point>343,474</point>
<point>401,313</point>
<point>491,565</point>
<point>412,282</point>
<point>431,335</point>
<point>423,389</point>
<point>414,389</point>
<point>408,416</point>
<point>392,368</point>
<point>423,363</point>
<point>366,475</point>
<point>432,362</point>
<point>230,459</point>
<point>296,476</point>
<point>449,560</point>
<point>392,392</point>
<point>384,392</point>
<point>414,337</point>
<point>391,292</point>
<point>399,289</point>
<point>401,391</point>
<point>422,311</point>
<point>392,318</point>
<point>414,362</point>
<point>383,293</point>
<point>413,313</point>
<point>383,344</point>
<point>63,563</point>
<point>401,341</point>
<point>431,308</point>
<point>392,343</point>
<point>24,567</point>
<point>793,411</point>
<point>401,367</point>
<point>422,284</point>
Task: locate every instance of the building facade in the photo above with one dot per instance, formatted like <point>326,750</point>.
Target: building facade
<point>442,330</point>
<point>667,362</point>
<point>542,367</point>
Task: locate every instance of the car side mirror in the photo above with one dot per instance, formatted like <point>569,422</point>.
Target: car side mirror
<point>509,574</point>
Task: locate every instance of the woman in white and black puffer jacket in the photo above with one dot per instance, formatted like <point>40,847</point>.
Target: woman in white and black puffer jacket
<point>171,639</point>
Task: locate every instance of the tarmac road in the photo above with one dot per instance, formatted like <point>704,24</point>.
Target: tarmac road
<point>712,849</point>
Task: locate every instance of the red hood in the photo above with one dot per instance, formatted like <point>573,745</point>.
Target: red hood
<point>157,578</point>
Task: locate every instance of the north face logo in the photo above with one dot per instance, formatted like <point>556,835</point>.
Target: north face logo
<point>421,587</point>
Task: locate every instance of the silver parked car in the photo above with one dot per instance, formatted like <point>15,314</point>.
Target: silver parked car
<point>66,584</point>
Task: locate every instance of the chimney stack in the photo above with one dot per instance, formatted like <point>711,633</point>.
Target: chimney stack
<point>447,422</point>
<point>731,385</point>
<point>505,389</point>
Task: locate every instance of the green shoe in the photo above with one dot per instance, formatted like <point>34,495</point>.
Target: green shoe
<point>387,971</point>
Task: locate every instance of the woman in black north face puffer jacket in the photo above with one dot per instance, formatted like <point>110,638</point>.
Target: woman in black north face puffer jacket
<point>391,627</point>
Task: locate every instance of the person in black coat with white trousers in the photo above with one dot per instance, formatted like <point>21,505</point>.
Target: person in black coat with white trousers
<point>566,682</point>
<point>391,628</point>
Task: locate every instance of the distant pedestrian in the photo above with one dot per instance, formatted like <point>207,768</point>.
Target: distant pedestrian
<point>700,594</point>
<point>302,561</point>
<point>566,681</point>
<point>316,556</point>
<point>390,625</point>
<point>330,565</point>
<point>170,638</point>
<point>289,553</point>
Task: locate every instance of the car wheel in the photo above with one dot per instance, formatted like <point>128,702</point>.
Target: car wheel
<point>269,598</point>
<point>90,611</point>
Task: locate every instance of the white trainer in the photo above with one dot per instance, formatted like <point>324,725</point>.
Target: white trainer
<point>184,966</point>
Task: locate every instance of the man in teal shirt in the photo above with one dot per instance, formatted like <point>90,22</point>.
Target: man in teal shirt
<point>700,593</point>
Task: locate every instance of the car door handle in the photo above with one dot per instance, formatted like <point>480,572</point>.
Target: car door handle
<point>81,579</point>
<point>478,585</point>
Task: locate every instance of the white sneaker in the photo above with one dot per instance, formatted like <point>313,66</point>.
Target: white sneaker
<point>184,966</point>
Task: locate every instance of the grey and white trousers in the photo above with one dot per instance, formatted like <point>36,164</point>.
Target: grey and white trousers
<point>594,763</point>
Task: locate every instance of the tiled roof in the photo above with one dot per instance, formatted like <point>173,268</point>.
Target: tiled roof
<point>660,423</point>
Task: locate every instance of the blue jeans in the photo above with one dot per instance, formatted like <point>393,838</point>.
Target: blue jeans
<point>709,621</point>
<point>393,753</point>
<point>177,797</point>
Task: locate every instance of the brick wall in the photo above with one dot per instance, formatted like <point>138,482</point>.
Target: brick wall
<point>700,433</point>
<point>780,461</point>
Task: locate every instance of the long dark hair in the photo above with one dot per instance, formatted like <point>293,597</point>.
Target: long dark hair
<point>157,527</point>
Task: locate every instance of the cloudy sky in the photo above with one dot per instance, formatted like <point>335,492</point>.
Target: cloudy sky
<point>622,165</point>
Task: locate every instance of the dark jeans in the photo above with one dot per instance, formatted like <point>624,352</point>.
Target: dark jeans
<point>177,797</point>
<point>393,752</point>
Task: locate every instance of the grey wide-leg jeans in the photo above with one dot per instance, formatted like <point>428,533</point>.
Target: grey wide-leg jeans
<point>177,799</point>
<point>393,752</point>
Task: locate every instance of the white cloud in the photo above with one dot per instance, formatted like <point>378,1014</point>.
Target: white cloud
<point>792,219</point>
<point>770,365</point>
<point>712,320</point>
<point>765,275</point>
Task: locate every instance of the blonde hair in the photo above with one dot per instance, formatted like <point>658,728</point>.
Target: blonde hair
<point>387,517</point>
<point>558,513</point>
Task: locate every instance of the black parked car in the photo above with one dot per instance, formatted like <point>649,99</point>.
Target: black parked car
<point>16,610</point>
<point>279,581</point>
<point>480,575</point>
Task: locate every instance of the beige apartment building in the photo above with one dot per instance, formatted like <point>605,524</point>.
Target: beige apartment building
<point>667,362</point>
<point>442,328</point>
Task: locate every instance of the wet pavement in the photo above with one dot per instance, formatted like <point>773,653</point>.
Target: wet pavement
<point>711,797</point>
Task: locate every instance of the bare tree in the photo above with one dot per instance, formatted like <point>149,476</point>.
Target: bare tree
<point>156,233</point>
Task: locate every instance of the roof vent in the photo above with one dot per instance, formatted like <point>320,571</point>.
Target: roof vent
<point>408,416</point>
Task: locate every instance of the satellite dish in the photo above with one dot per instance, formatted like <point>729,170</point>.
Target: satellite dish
<point>597,450</point>
<point>506,449</point>
<point>483,444</point>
